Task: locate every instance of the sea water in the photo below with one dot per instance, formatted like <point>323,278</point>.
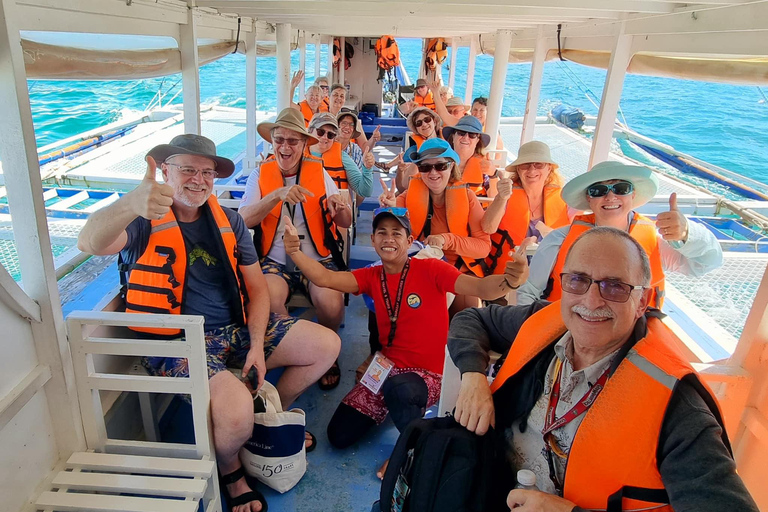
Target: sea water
<point>726,125</point>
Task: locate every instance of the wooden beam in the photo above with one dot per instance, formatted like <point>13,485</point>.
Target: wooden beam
<point>534,88</point>
<point>283,35</point>
<point>249,163</point>
<point>22,392</point>
<point>190,73</point>
<point>15,298</point>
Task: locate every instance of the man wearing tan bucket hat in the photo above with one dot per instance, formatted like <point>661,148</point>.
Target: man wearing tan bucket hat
<point>183,253</point>
<point>291,183</point>
<point>527,204</point>
<point>612,191</point>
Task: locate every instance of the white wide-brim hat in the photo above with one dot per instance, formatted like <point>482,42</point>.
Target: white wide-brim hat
<point>642,178</point>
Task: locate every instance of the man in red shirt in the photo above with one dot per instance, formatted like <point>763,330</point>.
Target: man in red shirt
<point>409,297</point>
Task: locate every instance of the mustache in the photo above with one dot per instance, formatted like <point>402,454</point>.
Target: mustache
<point>601,312</point>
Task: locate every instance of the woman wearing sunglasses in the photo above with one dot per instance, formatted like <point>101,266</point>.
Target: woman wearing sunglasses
<point>612,190</point>
<point>469,142</point>
<point>444,213</point>
<point>527,204</point>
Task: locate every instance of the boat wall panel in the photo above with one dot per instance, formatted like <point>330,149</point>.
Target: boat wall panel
<point>28,451</point>
<point>19,355</point>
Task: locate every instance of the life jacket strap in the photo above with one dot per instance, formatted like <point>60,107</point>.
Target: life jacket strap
<point>636,493</point>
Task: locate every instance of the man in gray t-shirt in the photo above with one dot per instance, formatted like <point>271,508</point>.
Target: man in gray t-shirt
<point>182,253</point>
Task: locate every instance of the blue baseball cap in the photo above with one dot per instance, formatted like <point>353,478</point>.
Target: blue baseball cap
<point>431,148</point>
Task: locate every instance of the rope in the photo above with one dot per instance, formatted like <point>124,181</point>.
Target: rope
<point>237,38</point>
<point>587,91</point>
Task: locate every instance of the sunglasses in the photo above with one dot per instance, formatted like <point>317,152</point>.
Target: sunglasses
<point>610,289</point>
<point>471,135</point>
<point>422,121</point>
<point>533,165</point>
<point>321,132</point>
<point>279,141</point>
<point>439,167</point>
<point>397,211</point>
<point>620,188</point>
<point>323,87</point>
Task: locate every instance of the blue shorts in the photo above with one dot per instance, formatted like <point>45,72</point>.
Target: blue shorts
<point>225,347</point>
<point>296,281</point>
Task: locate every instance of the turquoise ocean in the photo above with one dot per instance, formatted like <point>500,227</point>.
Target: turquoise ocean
<point>726,125</point>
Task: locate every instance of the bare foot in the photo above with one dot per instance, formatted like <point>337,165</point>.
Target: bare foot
<point>238,489</point>
<point>382,470</point>
<point>363,366</point>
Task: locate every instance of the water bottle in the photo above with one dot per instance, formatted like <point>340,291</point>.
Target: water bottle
<point>526,479</point>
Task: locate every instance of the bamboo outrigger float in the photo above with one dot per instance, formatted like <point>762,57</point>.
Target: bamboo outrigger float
<point>47,414</point>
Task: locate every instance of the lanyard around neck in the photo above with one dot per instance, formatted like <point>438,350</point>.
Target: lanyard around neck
<point>393,312</point>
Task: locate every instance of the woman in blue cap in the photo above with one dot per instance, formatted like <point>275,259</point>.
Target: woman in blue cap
<point>469,141</point>
<point>444,213</point>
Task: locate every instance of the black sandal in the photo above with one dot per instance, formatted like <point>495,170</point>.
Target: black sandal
<point>244,498</point>
<point>333,371</point>
<point>312,438</point>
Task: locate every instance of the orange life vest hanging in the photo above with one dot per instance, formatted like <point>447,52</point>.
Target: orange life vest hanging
<point>349,52</point>
<point>437,51</point>
<point>514,224</point>
<point>641,229</point>
<point>322,232</point>
<point>387,53</point>
<point>157,279</point>
<point>419,207</point>
<point>632,406</point>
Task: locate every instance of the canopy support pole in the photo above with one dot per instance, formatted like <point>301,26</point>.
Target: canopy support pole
<point>30,232</point>
<point>190,73</point>
<point>471,69</point>
<point>498,81</point>
<point>250,101</point>
<point>302,64</point>
<point>534,87</point>
<point>318,46</point>
<point>283,38</point>
<point>342,45</point>
<point>452,72</point>
<point>330,60</point>
<point>609,104</point>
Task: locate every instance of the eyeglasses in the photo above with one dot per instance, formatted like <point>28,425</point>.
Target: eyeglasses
<point>532,165</point>
<point>620,188</point>
<point>471,135</point>
<point>208,174</point>
<point>321,132</point>
<point>279,141</point>
<point>439,167</point>
<point>346,124</point>
<point>610,289</point>
<point>422,121</point>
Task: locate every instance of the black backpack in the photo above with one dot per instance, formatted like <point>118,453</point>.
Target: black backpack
<point>444,466</point>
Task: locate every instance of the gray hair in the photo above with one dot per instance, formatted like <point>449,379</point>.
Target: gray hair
<point>313,88</point>
<point>322,79</point>
<point>619,234</point>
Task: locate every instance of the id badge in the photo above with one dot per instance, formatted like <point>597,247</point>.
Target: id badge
<point>377,372</point>
<point>401,492</point>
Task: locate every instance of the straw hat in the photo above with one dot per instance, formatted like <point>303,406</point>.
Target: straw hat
<point>642,178</point>
<point>421,110</point>
<point>351,113</point>
<point>191,144</point>
<point>432,148</point>
<point>455,101</point>
<point>420,83</point>
<point>531,152</point>
<point>289,118</point>
<point>467,124</point>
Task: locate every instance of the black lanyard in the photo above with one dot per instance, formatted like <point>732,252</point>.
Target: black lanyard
<point>393,312</point>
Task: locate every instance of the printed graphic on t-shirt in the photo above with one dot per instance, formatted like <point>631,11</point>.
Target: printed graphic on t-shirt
<point>200,253</point>
<point>413,300</point>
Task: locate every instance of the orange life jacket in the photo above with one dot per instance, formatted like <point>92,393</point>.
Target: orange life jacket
<point>641,229</point>
<point>157,279</point>
<point>419,207</point>
<point>514,224</point>
<point>437,51</point>
<point>616,444</point>
<point>334,165</point>
<point>425,101</point>
<point>306,111</point>
<point>325,105</point>
<point>419,140</point>
<point>322,231</point>
<point>473,175</point>
<point>387,53</point>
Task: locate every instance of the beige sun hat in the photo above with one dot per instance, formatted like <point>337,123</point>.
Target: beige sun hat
<point>422,110</point>
<point>530,152</point>
<point>455,101</point>
<point>289,118</point>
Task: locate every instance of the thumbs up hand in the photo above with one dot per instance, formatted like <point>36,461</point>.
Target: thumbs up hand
<point>290,237</point>
<point>387,198</point>
<point>368,159</point>
<point>672,224</point>
<point>516,269</point>
<point>151,200</point>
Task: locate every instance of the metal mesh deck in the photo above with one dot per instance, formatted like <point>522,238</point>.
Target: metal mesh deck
<point>571,152</point>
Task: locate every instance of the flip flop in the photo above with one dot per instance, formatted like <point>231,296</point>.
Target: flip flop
<point>313,445</point>
<point>244,498</point>
<point>333,371</point>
